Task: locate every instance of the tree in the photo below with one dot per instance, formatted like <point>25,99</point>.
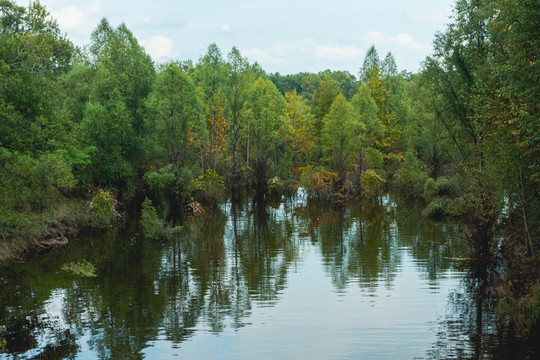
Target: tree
<point>298,125</point>
<point>123,78</point>
<point>340,135</point>
<point>371,60</point>
<point>33,54</point>
<point>367,110</point>
<point>107,126</point>
<point>237,67</point>
<point>178,116</point>
<point>210,74</point>
<point>323,98</point>
<point>264,111</point>
<point>129,67</point>
<point>388,66</point>
<point>347,82</point>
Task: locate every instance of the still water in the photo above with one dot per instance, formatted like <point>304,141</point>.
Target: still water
<point>286,280</point>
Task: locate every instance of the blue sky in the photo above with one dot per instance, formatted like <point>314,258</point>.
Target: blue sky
<point>287,36</point>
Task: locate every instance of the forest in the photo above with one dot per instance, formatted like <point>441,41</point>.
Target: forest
<point>91,135</point>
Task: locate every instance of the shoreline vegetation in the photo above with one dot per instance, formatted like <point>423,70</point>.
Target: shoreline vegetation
<point>89,133</point>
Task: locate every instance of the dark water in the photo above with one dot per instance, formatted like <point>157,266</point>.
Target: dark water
<point>290,280</point>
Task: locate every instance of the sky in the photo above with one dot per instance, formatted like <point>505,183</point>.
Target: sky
<point>285,36</point>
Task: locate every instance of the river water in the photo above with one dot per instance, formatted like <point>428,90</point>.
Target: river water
<point>285,280</point>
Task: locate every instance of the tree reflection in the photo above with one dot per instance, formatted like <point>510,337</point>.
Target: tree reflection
<point>212,275</point>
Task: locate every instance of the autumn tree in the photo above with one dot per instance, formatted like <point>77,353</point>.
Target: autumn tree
<point>297,127</point>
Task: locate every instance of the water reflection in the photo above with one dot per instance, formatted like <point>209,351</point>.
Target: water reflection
<point>228,262</point>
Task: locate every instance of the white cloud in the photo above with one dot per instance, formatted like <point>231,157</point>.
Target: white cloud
<point>263,57</point>
<point>435,16</point>
<point>338,53</point>
<point>402,40</point>
<point>78,19</point>
<point>225,28</point>
<point>302,52</point>
<point>147,19</point>
<point>158,46</point>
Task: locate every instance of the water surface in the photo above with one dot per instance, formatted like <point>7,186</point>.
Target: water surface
<point>289,280</point>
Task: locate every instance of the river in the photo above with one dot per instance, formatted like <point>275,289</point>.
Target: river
<point>286,280</point>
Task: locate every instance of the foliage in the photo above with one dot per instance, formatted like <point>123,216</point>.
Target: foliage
<point>340,135</point>
<point>80,268</point>
<point>208,188</point>
<point>161,179</point>
<point>103,209</point>
<point>523,312</point>
<point>177,115</point>
<point>318,182</point>
<point>371,183</point>
<point>441,187</point>
<point>410,178</point>
<point>152,225</point>
<point>438,208</point>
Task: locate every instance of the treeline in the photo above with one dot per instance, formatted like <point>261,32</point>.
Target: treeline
<point>82,127</point>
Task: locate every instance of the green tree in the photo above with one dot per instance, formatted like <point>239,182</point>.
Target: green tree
<point>367,110</point>
<point>340,135</point>
<point>371,60</point>
<point>264,111</point>
<point>210,74</point>
<point>107,126</point>
<point>177,116</point>
<point>323,98</point>
<point>237,67</point>
<point>33,53</point>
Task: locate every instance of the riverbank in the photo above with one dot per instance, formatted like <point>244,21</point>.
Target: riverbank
<point>62,221</point>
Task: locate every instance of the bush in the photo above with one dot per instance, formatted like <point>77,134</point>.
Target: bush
<point>371,183</point>
<point>208,188</point>
<point>410,178</point>
<point>318,182</point>
<point>523,312</point>
<point>80,268</point>
<point>275,186</point>
<point>438,208</point>
<point>439,188</point>
<point>160,179</point>
<point>393,161</point>
<point>151,224</point>
<point>103,209</point>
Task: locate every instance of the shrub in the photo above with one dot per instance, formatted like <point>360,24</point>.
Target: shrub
<point>318,182</point>
<point>438,188</point>
<point>410,178</point>
<point>81,268</point>
<point>275,186</point>
<point>160,179</point>
<point>523,312</point>
<point>208,188</point>
<point>371,183</point>
<point>103,209</point>
<point>438,208</point>
<point>151,224</point>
